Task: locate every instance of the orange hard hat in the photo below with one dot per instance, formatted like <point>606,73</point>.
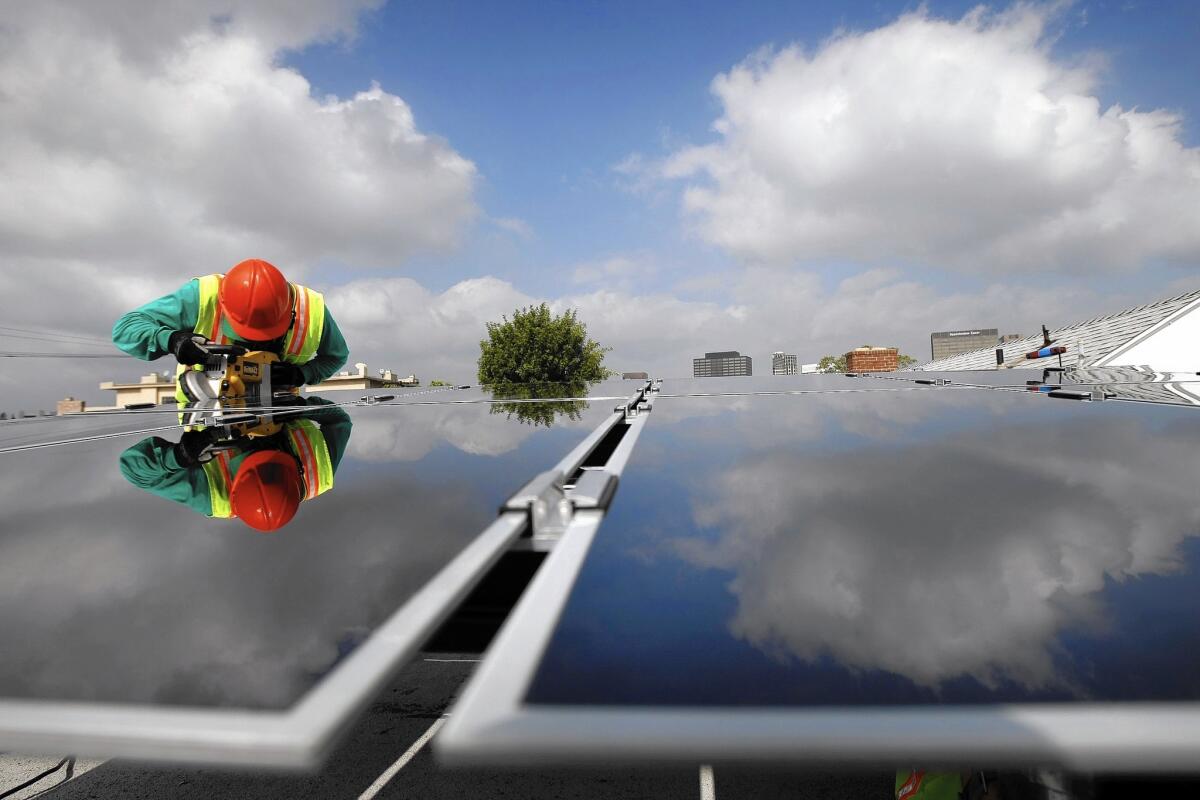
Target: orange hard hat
<point>267,490</point>
<point>257,301</point>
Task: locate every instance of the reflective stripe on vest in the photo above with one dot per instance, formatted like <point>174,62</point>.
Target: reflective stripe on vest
<point>308,445</point>
<point>216,470</point>
<point>315,465</point>
<point>300,343</point>
<point>208,324</point>
<point>302,339</point>
<point>208,321</point>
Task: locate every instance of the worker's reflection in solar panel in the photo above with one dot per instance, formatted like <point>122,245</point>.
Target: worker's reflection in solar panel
<point>259,469</point>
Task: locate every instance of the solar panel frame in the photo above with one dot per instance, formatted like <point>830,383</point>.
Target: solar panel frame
<point>301,736</point>
<point>492,724</point>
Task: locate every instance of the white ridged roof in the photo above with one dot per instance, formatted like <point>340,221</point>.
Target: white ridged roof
<point>1094,338</point>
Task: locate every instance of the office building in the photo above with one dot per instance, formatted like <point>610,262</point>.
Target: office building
<point>722,364</point>
<point>783,364</point>
<point>950,343</point>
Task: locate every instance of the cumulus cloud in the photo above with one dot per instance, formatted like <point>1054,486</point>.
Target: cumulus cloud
<point>617,269</point>
<point>412,433</point>
<point>164,605</point>
<point>819,569</point>
<point>964,144</point>
<point>141,145</point>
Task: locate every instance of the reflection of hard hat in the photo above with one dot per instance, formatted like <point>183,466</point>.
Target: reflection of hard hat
<point>257,301</point>
<point>267,490</point>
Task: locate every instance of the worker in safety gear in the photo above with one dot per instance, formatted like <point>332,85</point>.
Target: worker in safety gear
<point>260,481</point>
<point>252,305</point>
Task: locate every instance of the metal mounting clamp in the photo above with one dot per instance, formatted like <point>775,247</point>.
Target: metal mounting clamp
<point>550,505</point>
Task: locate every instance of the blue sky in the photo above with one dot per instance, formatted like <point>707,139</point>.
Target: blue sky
<point>805,177</point>
<point>546,98</point>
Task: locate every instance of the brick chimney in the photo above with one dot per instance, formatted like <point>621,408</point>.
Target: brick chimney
<point>873,359</point>
<point>70,405</point>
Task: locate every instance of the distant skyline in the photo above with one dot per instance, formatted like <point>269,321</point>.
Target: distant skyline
<point>809,177</point>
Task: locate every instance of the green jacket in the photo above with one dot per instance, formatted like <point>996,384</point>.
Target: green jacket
<point>151,464</point>
<point>922,785</point>
<point>144,332</point>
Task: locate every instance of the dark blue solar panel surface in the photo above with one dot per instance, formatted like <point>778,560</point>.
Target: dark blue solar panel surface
<point>112,593</point>
<point>941,546</point>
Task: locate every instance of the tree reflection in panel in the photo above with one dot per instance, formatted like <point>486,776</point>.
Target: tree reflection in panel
<point>554,405</point>
<point>949,546</point>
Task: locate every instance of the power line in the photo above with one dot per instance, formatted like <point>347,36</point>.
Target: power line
<point>23,354</point>
<point>52,340</point>
<point>57,335</point>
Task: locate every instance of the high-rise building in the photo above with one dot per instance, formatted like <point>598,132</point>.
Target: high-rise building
<point>950,343</point>
<point>783,364</point>
<point>722,364</point>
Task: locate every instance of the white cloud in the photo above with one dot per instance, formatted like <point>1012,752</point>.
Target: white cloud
<point>143,144</point>
<point>514,225</point>
<point>617,270</point>
<point>816,573</point>
<point>963,144</point>
<point>400,324</point>
<point>211,152</point>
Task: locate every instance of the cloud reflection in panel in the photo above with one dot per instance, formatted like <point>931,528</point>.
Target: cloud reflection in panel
<point>963,555</point>
<point>943,545</point>
<point>388,434</point>
<point>109,591</point>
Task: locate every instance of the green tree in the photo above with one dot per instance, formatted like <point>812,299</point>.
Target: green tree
<point>905,361</point>
<point>535,346</point>
<point>832,364</point>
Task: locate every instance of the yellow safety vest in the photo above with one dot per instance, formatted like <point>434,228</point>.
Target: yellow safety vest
<point>306,443</point>
<point>299,343</point>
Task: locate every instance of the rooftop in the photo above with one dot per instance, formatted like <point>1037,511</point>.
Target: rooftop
<point>1109,340</point>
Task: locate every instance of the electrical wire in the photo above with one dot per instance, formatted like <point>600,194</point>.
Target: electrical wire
<point>52,340</point>
<point>286,411</point>
<point>58,335</point>
<point>783,392</point>
<point>402,400</point>
<point>171,407</point>
<point>24,354</point>
<point>289,411</point>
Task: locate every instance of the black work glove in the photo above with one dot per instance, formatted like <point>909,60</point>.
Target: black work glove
<point>185,349</point>
<point>193,447</point>
<point>284,374</point>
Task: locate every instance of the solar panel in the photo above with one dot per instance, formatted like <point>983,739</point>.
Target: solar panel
<point>945,573</point>
<point>135,624</point>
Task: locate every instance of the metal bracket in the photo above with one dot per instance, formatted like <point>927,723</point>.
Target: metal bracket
<point>546,502</point>
<point>551,506</point>
<point>594,490</point>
